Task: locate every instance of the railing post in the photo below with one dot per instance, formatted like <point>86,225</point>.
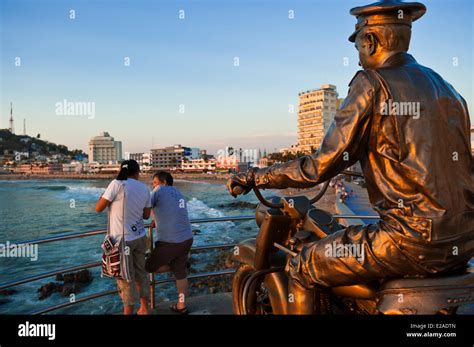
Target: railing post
<point>152,275</point>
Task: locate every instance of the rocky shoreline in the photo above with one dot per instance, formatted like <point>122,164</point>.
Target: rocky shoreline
<point>72,283</point>
<point>217,284</point>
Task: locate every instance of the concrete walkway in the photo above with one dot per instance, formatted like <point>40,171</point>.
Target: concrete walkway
<point>219,303</point>
<point>358,204</point>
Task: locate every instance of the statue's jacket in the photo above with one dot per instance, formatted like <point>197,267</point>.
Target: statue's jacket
<point>410,131</point>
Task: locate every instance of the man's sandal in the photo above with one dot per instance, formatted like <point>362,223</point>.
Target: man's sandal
<point>175,308</point>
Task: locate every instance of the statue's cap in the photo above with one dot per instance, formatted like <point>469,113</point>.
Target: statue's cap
<point>386,12</point>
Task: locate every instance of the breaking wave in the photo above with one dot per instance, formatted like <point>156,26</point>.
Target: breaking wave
<point>209,231</point>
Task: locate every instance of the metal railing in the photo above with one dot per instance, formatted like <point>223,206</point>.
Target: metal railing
<point>153,282</point>
<point>98,232</point>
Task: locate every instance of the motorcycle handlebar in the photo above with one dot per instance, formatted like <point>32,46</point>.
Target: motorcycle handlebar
<point>350,173</point>
<point>237,190</point>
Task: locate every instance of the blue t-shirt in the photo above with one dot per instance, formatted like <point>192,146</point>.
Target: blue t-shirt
<point>171,214</point>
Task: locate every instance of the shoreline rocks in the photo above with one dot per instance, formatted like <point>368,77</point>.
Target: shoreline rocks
<point>72,284</point>
<point>6,292</point>
<point>218,284</point>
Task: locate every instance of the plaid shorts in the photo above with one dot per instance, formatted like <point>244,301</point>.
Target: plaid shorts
<point>128,291</point>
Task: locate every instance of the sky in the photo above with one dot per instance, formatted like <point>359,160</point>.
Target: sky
<point>224,75</point>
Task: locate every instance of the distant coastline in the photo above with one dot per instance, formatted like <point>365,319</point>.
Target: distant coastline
<point>195,177</point>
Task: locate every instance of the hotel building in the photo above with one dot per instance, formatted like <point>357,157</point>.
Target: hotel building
<point>103,149</point>
<point>317,109</point>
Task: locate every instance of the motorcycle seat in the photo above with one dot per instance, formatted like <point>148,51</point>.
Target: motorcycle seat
<point>428,295</point>
<point>466,278</point>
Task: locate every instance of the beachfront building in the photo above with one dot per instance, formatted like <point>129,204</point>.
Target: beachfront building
<point>23,169</point>
<point>138,157</point>
<point>96,168</point>
<point>103,149</point>
<point>50,168</point>
<point>227,163</point>
<point>198,165</point>
<point>143,159</point>
<point>317,109</point>
<point>170,158</point>
<point>145,164</point>
<point>192,152</point>
<point>73,167</point>
<point>39,168</point>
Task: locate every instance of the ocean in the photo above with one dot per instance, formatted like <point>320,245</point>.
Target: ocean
<point>32,209</point>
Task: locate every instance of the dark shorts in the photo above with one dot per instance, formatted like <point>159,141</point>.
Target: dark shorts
<point>173,254</point>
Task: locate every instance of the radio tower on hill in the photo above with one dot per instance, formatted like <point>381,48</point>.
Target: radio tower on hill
<point>12,130</point>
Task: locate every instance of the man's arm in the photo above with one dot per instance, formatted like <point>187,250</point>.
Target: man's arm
<point>148,205</point>
<point>101,204</point>
<point>346,138</point>
<point>152,203</point>
<point>146,212</point>
<point>108,196</point>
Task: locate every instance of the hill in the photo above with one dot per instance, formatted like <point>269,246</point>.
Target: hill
<point>34,145</point>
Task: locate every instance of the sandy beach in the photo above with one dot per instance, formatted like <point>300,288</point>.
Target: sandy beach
<point>144,176</point>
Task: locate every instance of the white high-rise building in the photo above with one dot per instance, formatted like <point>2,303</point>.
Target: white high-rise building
<point>317,109</point>
<point>103,149</point>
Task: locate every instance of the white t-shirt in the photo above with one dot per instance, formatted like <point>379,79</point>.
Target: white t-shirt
<point>137,197</point>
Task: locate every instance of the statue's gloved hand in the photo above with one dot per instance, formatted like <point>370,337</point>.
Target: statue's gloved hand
<point>241,183</point>
<point>297,268</point>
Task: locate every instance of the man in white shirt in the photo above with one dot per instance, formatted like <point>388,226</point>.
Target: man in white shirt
<point>129,202</point>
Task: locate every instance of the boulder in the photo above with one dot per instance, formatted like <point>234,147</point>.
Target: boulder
<point>49,288</point>
<point>72,284</point>
<point>8,292</point>
<point>70,288</point>
<point>83,276</point>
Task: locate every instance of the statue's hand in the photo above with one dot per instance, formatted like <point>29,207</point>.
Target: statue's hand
<point>241,183</point>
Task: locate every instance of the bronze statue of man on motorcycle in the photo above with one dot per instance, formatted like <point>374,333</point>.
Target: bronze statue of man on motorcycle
<point>418,167</point>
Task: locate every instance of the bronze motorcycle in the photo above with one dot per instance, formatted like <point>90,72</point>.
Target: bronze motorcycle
<point>261,286</point>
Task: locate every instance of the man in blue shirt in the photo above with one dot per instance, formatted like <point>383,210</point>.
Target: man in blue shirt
<point>175,236</point>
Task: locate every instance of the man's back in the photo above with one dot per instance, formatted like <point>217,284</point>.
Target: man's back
<point>137,197</point>
<point>171,214</point>
<point>419,152</point>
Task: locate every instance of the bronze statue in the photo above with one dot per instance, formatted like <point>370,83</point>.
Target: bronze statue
<point>409,129</point>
